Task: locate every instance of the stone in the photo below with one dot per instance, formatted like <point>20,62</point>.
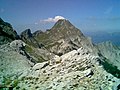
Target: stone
<point>40,65</point>
<point>17,44</point>
<point>7,33</point>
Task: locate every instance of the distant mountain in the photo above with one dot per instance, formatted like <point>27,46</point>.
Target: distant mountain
<point>62,38</point>
<point>101,36</point>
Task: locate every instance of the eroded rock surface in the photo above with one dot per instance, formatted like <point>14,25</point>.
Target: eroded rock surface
<point>7,34</point>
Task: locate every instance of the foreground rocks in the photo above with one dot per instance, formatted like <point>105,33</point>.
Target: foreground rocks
<point>76,70</point>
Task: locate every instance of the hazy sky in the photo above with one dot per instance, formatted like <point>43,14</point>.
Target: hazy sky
<point>87,15</point>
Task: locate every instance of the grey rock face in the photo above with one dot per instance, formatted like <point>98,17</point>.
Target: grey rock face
<point>12,63</point>
<point>17,44</point>
<point>28,38</point>
<point>77,70</point>
<point>110,52</point>
<point>63,37</point>
<point>7,34</point>
<point>60,39</point>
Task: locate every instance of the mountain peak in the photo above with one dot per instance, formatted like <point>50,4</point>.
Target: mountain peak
<point>64,28</point>
<point>62,23</point>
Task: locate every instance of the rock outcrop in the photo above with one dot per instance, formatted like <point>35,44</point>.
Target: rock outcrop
<point>7,34</point>
<point>34,48</point>
<point>12,65</point>
<point>28,38</point>
<point>77,70</point>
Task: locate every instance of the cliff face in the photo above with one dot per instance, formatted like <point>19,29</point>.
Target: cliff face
<point>7,34</point>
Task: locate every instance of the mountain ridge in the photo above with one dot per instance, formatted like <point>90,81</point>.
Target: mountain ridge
<point>66,60</point>
<point>64,31</point>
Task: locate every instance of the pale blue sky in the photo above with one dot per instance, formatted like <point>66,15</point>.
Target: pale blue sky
<point>87,15</point>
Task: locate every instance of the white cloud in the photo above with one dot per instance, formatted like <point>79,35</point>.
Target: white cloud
<point>55,19</point>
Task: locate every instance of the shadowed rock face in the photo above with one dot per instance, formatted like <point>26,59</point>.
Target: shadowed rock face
<point>28,38</point>
<point>26,34</point>
<point>7,34</point>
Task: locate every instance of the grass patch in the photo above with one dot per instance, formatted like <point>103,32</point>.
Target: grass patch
<point>111,68</point>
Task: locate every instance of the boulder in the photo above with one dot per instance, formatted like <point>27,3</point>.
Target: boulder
<point>17,45</point>
<point>40,65</point>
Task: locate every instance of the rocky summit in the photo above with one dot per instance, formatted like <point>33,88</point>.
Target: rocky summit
<point>62,38</point>
<point>61,58</point>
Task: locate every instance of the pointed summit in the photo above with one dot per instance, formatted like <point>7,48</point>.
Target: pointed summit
<point>63,23</point>
<point>64,29</point>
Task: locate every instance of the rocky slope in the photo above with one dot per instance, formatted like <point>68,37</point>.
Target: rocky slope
<point>111,52</point>
<point>12,64</point>
<point>33,48</point>
<point>69,61</point>
<point>7,34</point>
<point>76,70</point>
<point>62,38</point>
<point>28,38</point>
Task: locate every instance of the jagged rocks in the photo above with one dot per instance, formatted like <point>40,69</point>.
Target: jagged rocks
<point>7,34</point>
<point>62,38</point>
<point>18,45</point>
<point>75,72</point>
<point>28,38</point>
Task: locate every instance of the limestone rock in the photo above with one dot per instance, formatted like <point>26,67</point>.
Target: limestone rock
<point>17,44</point>
<point>40,65</point>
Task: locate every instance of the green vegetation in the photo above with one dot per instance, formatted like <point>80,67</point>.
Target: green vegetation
<point>28,49</point>
<point>111,69</point>
<point>31,51</point>
<point>15,82</point>
<point>9,83</point>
